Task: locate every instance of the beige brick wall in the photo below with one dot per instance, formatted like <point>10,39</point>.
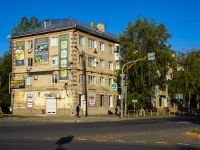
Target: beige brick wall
<point>43,86</point>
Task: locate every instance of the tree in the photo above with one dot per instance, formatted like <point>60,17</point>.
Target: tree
<point>137,40</point>
<point>6,61</point>
<point>186,80</point>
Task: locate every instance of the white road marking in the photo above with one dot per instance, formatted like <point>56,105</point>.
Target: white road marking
<point>161,142</point>
<point>82,139</point>
<point>120,141</point>
<point>182,143</point>
<point>48,138</point>
<point>102,140</point>
<point>10,137</point>
<point>140,141</point>
<point>182,122</point>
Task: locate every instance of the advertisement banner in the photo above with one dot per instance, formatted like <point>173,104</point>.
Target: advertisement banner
<point>17,84</point>
<point>30,100</point>
<point>41,51</point>
<point>63,56</point>
<point>20,53</point>
<point>92,100</point>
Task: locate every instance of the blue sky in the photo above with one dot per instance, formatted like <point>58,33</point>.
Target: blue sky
<point>181,17</point>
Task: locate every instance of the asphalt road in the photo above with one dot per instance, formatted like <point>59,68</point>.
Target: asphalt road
<point>152,134</point>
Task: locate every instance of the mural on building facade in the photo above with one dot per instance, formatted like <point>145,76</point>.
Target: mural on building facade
<point>41,50</point>
<point>63,56</point>
<point>20,53</point>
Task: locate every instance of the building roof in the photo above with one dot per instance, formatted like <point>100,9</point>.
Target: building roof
<point>52,25</point>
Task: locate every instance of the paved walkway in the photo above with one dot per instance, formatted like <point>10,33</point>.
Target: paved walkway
<point>93,118</point>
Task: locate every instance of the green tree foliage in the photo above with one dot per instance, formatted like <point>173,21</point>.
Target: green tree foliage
<point>186,77</point>
<point>137,40</point>
<point>6,60</point>
<point>5,69</point>
<point>26,24</point>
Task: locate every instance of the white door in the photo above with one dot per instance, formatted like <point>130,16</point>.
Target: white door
<point>50,105</point>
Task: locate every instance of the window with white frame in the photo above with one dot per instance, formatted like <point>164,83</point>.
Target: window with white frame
<point>54,60</point>
<point>54,41</point>
<point>54,79</point>
<point>101,46</point>
<point>91,80</point>
<point>102,81</point>
<point>29,80</point>
<point>101,63</point>
<point>110,49</point>
<point>81,41</point>
<point>110,81</point>
<point>80,78</point>
<point>29,44</point>
<point>110,99</point>
<point>91,62</point>
<point>110,65</point>
<point>101,100</point>
<point>117,65</point>
<point>30,62</point>
<point>91,43</point>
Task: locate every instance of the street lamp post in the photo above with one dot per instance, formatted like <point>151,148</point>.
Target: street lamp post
<point>151,56</point>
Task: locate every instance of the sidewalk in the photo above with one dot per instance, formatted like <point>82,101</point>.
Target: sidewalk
<point>90,118</point>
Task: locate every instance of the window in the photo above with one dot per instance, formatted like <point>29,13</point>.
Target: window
<point>110,81</point>
<point>30,62</point>
<point>101,46</point>
<point>117,65</point>
<point>101,100</point>
<point>80,78</point>
<point>102,81</point>
<point>54,78</point>
<point>91,80</point>
<point>110,49</point>
<point>101,63</point>
<point>110,65</point>
<point>81,41</point>
<point>91,62</point>
<point>110,99</point>
<point>91,43</point>
<point>54,60</point>
<point>54,41</point>
<point>29,80</point>
<point>29,45</point>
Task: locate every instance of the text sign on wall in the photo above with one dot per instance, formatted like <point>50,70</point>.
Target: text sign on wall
<point>20,53</point>
<point>17,84</point>
<point>30,100</point>
<point>63,56</point>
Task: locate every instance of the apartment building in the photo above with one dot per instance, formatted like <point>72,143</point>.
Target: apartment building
<point>61,64</point>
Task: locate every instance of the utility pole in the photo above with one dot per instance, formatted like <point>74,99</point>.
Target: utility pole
<point>85,113</point>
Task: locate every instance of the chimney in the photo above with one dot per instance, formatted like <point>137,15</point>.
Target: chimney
<point>101,27</point>
<point>92,24</point>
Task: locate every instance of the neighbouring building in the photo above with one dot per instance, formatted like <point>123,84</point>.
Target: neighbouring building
<point>61,64</point>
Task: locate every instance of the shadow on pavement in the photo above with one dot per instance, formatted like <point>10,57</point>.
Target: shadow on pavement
<point>62,141</point>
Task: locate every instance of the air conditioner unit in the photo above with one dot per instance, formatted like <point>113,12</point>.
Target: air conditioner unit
<point>35,77</point>
<point>28,69</point>
<point>29,50</point>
